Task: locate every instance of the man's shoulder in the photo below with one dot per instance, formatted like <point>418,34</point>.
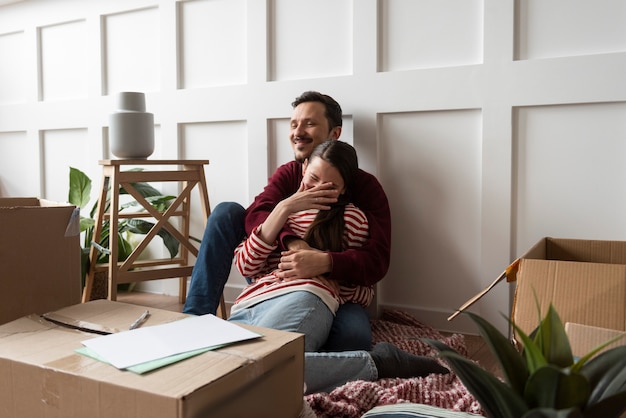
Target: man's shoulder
<point>290,166</point>
<point>367,188</point>
<point>288,175</point>
<point>364,176</point>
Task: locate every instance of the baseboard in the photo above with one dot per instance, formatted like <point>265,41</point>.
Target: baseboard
<point>231,291</point>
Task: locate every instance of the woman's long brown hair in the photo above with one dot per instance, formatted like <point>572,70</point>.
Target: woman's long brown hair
<point>326,231</point>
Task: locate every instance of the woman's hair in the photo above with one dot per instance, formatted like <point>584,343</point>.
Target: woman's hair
<point>333,110</point>
<point>326,231</point>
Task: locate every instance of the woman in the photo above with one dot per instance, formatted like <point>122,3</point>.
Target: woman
<point>311,302</point>
<point>308,305</point>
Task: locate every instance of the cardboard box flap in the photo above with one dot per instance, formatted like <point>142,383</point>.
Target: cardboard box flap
<point>19,211</point>
<point>588,251</point>
<point>15,202</point>
<point>112,316</point>
<point>510,274</point>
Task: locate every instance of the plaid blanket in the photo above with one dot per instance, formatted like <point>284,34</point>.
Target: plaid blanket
<point>445,391</point>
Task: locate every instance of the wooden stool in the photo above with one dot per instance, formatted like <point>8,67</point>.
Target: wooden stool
<point>188,172</point>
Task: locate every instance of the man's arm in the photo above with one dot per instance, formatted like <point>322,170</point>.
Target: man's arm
<point>367,265</point>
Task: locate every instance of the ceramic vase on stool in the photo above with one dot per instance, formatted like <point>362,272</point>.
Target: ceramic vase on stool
<point>131,128</point>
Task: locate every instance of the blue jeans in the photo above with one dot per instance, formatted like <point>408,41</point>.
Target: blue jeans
<point>224,231</point>
<point>305,313</point>
<point>300,311</point>
<point>325,371</point>
<point>351,329</point>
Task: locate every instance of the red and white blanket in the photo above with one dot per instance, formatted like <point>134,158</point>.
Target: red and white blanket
<point>445,391</point>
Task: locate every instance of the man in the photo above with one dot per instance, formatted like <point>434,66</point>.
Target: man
<point>316,118</point>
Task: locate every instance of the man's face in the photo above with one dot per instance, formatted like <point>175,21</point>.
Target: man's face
<point>309,128</point>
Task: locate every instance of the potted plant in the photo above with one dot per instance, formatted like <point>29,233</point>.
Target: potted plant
<point>79,195</point>
<point>543,379</point>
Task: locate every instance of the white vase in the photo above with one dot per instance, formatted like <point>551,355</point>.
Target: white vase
<point>131,128</point>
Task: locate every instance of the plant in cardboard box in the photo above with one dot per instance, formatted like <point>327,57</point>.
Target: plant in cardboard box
<point>543,379</point>
<point>79,195</point>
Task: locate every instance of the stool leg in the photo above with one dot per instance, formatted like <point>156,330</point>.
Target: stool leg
<point>221,308</point>
<point>113,234</point>
<point>97,233</point>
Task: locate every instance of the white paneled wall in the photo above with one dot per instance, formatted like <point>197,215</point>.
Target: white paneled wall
<point>490,123</point>
<point>213,48</point>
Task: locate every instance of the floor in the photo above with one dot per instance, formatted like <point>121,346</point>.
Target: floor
<point>477,348</point>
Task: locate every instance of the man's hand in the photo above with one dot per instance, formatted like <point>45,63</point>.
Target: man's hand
<point>303,264</point>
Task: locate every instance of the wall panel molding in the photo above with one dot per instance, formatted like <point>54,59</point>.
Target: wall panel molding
<point>482,119</point>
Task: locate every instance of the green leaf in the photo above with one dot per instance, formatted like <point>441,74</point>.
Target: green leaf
<point>606,373</point>
<point>139,226</point>
<point>79,189</point>
<point>511,362</point>
<point>160,203</point>
<point>534,356</point>
<point>551,413</point>
<point>144,189</point>
<point>170,242</point>
<point>554,341</point>
<point>613,406</point>
<point>495,397</point>
<point>553,387</point>
<point>86,223</point>
<point>123,247</point>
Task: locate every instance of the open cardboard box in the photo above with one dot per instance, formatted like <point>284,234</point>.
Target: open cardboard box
<point>42,375</point>
<point>585,280</point>
<point>39,255</point>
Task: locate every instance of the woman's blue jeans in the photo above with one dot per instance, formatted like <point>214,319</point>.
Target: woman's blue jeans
<point>301,312</point>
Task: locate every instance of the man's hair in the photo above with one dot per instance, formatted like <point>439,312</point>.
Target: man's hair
<point>326,231</point>
<point>333,110</point>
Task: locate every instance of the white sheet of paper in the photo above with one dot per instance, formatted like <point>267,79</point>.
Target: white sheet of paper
<point>129,348</point>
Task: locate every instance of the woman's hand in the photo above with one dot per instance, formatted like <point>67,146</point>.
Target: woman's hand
<point>319,197</point>
<point>316,197</point>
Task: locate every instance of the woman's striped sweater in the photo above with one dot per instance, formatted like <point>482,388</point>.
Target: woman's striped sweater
<point>257,259</point>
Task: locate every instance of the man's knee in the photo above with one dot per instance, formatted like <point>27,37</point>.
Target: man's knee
<point>351,329</point>
<point>228,211</point>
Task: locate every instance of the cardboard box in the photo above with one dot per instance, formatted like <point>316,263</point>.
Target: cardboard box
<point>42,376</point>
<point>585,280</point>
<point>584,338</point>
<point>39,255</point>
